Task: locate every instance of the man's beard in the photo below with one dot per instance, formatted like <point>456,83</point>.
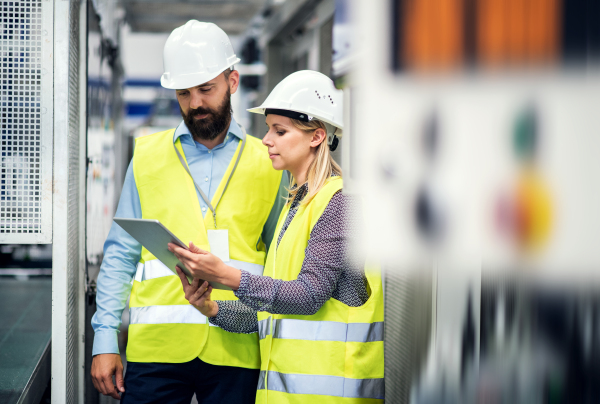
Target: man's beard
<point>214,124</point>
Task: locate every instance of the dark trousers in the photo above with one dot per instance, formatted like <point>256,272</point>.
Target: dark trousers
<point>177,382</point>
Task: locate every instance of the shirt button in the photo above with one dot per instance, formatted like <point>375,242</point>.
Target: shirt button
<point>206,179</point>
<point>209,151</point>
<point>203,209</point>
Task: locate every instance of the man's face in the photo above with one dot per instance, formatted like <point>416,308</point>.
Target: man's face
<point>206,109</point>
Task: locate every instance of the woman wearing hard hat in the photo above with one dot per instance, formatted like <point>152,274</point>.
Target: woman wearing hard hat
<point>320,315</point>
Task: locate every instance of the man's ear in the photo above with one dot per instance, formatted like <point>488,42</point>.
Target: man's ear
<point>234,81</point>
<point>319,136</point>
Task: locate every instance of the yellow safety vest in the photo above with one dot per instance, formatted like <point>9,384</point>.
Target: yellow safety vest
<point>333,356</point>
<point>164,327</point>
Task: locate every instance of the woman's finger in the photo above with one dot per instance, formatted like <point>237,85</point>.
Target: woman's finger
<point>174,248</point>
<point>187,262</point>
<point>195,249</point>
<point>208,292</point>
<point>184,281</point>
<point>203,288</point>
<point>180,252</point>
<point>193,265</point>
<point>178,256</point>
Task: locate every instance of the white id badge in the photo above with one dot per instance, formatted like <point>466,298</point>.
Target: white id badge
<point>219,243</point>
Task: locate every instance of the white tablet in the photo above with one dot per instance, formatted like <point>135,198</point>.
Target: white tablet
<point>153,235</point>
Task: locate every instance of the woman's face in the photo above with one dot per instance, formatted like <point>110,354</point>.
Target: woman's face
<point>289,147</point>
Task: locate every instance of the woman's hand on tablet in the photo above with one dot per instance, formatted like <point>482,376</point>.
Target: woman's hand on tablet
<point>200,263</point>
<point>207,266</point>
<point>198,294</point>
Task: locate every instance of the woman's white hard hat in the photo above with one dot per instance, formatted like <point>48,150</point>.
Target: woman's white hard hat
<point>196,53</point>
<point>311,93</point>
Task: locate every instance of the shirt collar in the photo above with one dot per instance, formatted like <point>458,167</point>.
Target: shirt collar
<point>182,130</point>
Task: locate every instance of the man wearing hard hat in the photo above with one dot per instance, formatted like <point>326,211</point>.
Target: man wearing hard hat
<point>211,184</point>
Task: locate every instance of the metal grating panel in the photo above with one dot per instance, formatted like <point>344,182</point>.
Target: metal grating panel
<point>69,171</point>
<point>25,98</point>
<point>73,207</point>
<point>407,331</point>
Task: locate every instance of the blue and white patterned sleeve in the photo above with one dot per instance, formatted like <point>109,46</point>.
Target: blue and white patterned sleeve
<point>327,270</point>
<point>235,316</point>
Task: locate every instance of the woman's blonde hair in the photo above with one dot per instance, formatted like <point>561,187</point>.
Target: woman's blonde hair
<point>322,167</point>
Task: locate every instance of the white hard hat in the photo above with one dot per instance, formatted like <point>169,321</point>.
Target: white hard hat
<point>195,53</point>
<point>307,95</point>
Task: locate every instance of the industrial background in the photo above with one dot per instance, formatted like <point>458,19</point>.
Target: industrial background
<point>472,134</point>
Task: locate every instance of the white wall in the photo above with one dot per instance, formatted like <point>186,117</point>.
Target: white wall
<point>142,54</point>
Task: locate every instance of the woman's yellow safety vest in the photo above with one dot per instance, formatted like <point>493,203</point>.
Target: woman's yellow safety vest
<point>164,327</point>
<point>333,356</point>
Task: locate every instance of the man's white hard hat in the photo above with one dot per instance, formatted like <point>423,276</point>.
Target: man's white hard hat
<point>309,93</point>
<point>195,53</point>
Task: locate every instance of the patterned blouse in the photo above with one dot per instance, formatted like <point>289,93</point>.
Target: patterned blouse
<point>328,271</point>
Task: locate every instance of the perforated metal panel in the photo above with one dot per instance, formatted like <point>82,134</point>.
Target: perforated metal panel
<point>69,173</point>
<point>26,113</point>
<point>407,331</point>
<point>73,206</point>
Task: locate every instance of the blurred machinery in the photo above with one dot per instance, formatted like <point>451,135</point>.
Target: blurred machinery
<point>521,342</point>
<point>107,153</point>
<point>106,145</point>
<point>291,36</point>
<point>474,146</point>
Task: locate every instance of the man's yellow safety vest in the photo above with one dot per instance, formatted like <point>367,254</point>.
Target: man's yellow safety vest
<point>164,327</point>
<point>332,356</point>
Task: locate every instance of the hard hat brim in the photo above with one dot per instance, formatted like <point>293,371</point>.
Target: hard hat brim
<point>184,81</point>
<point>261,110</point>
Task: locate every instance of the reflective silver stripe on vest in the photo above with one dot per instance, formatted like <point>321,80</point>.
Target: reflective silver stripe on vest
<point>325,331</point>
<point>155,269</point>
<point>264,328</point>
<point>176,314</point>
<point>139,272</point>
<point>322,385</point>
<point>365,332</point>
<point>151,270</point>
<point>261,380</point>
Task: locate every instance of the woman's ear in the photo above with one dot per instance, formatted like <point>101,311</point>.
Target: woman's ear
<point>318,137</point>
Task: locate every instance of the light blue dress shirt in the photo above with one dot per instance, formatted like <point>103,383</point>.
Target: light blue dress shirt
<point>122,252</point>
